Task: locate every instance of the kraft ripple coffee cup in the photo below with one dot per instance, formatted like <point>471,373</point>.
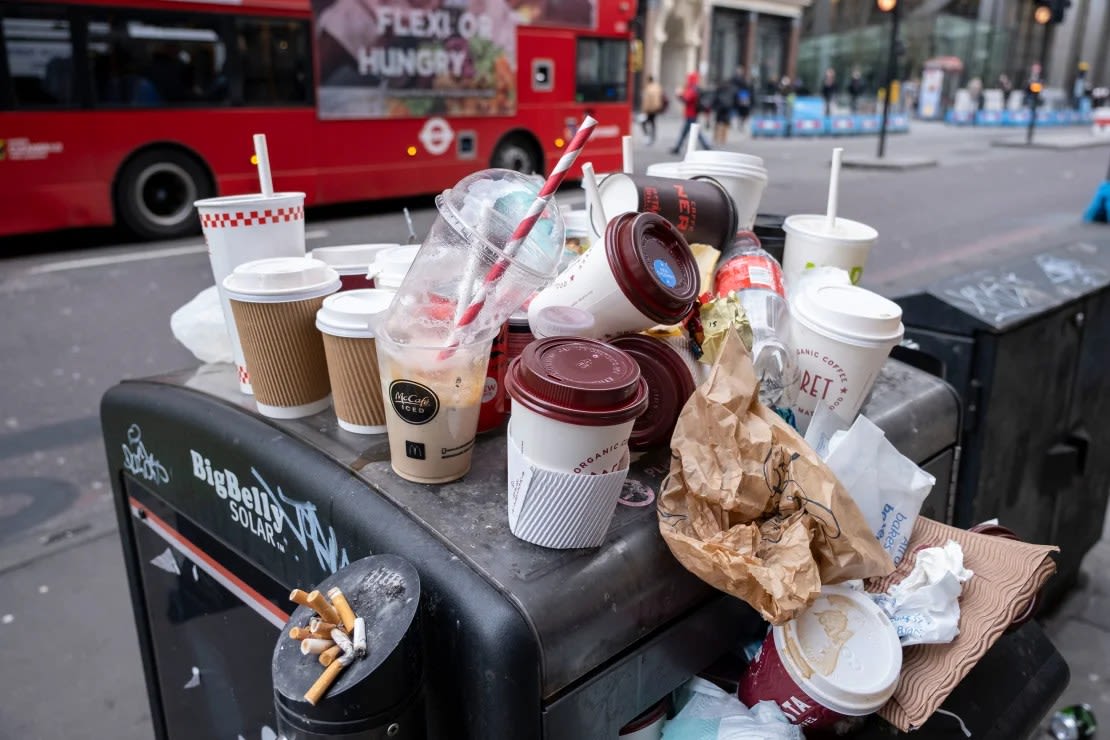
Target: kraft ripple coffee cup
<point>840,658</point>
<point>810,242</point>
<point>842,336</point>
<point>245,228</point>
<point>346,321</point>
<point>670,383</point>
<point>701,208</point>
<point>352,262</point>
<point>432,400</point>
<point>274,302</point>
<point>574,404</point>
<point>645,274</point>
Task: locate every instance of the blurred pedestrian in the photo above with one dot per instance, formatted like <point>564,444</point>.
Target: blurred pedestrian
<point>1079,88</point>
<point>789,96</point>
<point>654,103</point>
<point>1033,84</point>
<point>743,98</point>
<point>855,89</point>
<point>724,105</point>
<point>828,89</point>
<point>689,95</point>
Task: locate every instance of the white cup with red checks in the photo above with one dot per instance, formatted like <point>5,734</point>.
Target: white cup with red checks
<point>244,228</point>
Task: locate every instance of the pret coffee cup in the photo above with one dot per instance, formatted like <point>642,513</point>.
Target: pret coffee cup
<point>346,321</point>
<point>274,302</point>
<point>842,336</point>
<point>432,399</point>
<point>352,262</point>
<point>742,175</point>
<point>811,242</point>
<point>245,228</point>
<point>840,658</point>
<point>574,403</point>
<point>701,209</point>
<point>670,383</point>
<point>645,275</point>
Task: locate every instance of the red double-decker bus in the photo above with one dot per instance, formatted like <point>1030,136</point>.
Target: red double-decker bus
<point>128,111</point>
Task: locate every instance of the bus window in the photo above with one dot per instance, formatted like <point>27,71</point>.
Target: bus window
<point>602,68</point>
<point>39,57</point>
<point>275,57</point>
<point>153,60</point>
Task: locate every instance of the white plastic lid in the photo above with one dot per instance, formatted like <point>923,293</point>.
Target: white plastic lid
<point>844,229</point>
<point>849,313</point>
<point>718,156</point>
<point>280,279</point>
<point>664,169</point>
<point>391,265</point>
<point>352,313</point>
<point>349,256</point>
<point>576,223</point>
<point>561,321</point>
<point>693,169</point>
<point>842,651</point>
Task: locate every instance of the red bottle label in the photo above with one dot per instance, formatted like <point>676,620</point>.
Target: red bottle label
<point>749,271</point>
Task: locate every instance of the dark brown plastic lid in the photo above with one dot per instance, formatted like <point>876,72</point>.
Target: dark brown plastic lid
<point>669,386</point>
<point>577,381</point>
<point>653,265</point>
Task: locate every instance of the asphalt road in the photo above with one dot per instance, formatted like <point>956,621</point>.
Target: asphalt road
<point>78,318</point>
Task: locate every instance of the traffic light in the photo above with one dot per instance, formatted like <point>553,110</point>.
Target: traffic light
<point>1050,11</point>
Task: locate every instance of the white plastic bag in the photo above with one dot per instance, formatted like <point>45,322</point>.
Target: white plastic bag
<point>713,714</point>
<point>200,326</point>
<point>886,485</point>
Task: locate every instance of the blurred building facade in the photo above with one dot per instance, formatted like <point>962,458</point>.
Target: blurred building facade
<point>989,38</point>
<point>715,36</point>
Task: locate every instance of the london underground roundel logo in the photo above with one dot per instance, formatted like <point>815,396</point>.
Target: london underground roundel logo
<point>436,136</point>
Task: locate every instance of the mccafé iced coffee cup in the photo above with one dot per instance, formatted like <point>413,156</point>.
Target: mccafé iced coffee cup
<point>645,274</point>
<point>574,403</point>
<point>840,658</point>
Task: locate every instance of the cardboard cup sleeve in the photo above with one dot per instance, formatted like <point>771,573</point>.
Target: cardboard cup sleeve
<point>560,510</point>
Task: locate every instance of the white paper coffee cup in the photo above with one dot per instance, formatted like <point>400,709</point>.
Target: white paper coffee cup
<point>745,183</point>
<point>811,243</point>
<point>352,262</point>
<point>391,265</point>
<point>244,228</point>
<point>570,448</point>
<point>842,336</point>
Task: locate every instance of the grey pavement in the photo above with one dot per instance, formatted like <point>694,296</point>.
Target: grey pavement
<point>78,321</point>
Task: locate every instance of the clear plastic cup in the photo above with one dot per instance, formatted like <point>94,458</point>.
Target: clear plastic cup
<point>455,266</point>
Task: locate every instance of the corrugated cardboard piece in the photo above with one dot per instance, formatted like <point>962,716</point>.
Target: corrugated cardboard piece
<point>749,507</point>
<point>1008,575</point>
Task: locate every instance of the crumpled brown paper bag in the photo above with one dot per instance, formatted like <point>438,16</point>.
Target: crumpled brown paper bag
<point>749,507</point>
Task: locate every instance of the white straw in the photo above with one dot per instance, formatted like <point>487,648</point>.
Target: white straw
<point>834,186</point>
<point>629,163</point>
<point>593,195</point>
<point>263,157</point>
<point>412,231</point>
<point>692,139</point>
<point>470,275</point>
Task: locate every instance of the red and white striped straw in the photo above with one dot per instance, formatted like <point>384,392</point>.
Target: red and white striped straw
<point>554,180</point>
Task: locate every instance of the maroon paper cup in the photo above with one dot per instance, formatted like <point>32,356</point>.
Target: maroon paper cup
<point>701,209</point>
<point>669,382</point>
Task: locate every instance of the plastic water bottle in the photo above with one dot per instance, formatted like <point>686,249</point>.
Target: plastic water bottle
<point>747,270</point>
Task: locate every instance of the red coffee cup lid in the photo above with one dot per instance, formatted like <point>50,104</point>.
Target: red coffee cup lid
<point>653,265</point>
<point>577,381</point>
<point>669,386</point>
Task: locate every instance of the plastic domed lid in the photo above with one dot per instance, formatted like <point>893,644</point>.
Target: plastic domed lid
<point>842,651</point>
<point>511,195</point>
<point>849,313</point>
<point>281,279</point>
<point>577,381</point>
<point>352,313</point>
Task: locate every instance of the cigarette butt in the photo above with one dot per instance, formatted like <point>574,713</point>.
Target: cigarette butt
<point>321,635</point>
<point>346,613</point>
<point>317,601</point>
<point>312,646</point>
<point>300,597</point>
<point>302,633</point>
<point>342,640</point>
<point>324,682</point>
<point>329,655</point>
<point>319,625</point>
<point>360,637</point>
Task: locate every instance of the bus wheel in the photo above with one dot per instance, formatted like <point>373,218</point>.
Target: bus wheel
<point>518,152</point>
<point>155,193</point>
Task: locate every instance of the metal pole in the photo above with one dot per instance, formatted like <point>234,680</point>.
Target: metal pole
<point>891,73</point>
<point>1037,96</point>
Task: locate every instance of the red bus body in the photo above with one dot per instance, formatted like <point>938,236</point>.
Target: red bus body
<point>331,161</point>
